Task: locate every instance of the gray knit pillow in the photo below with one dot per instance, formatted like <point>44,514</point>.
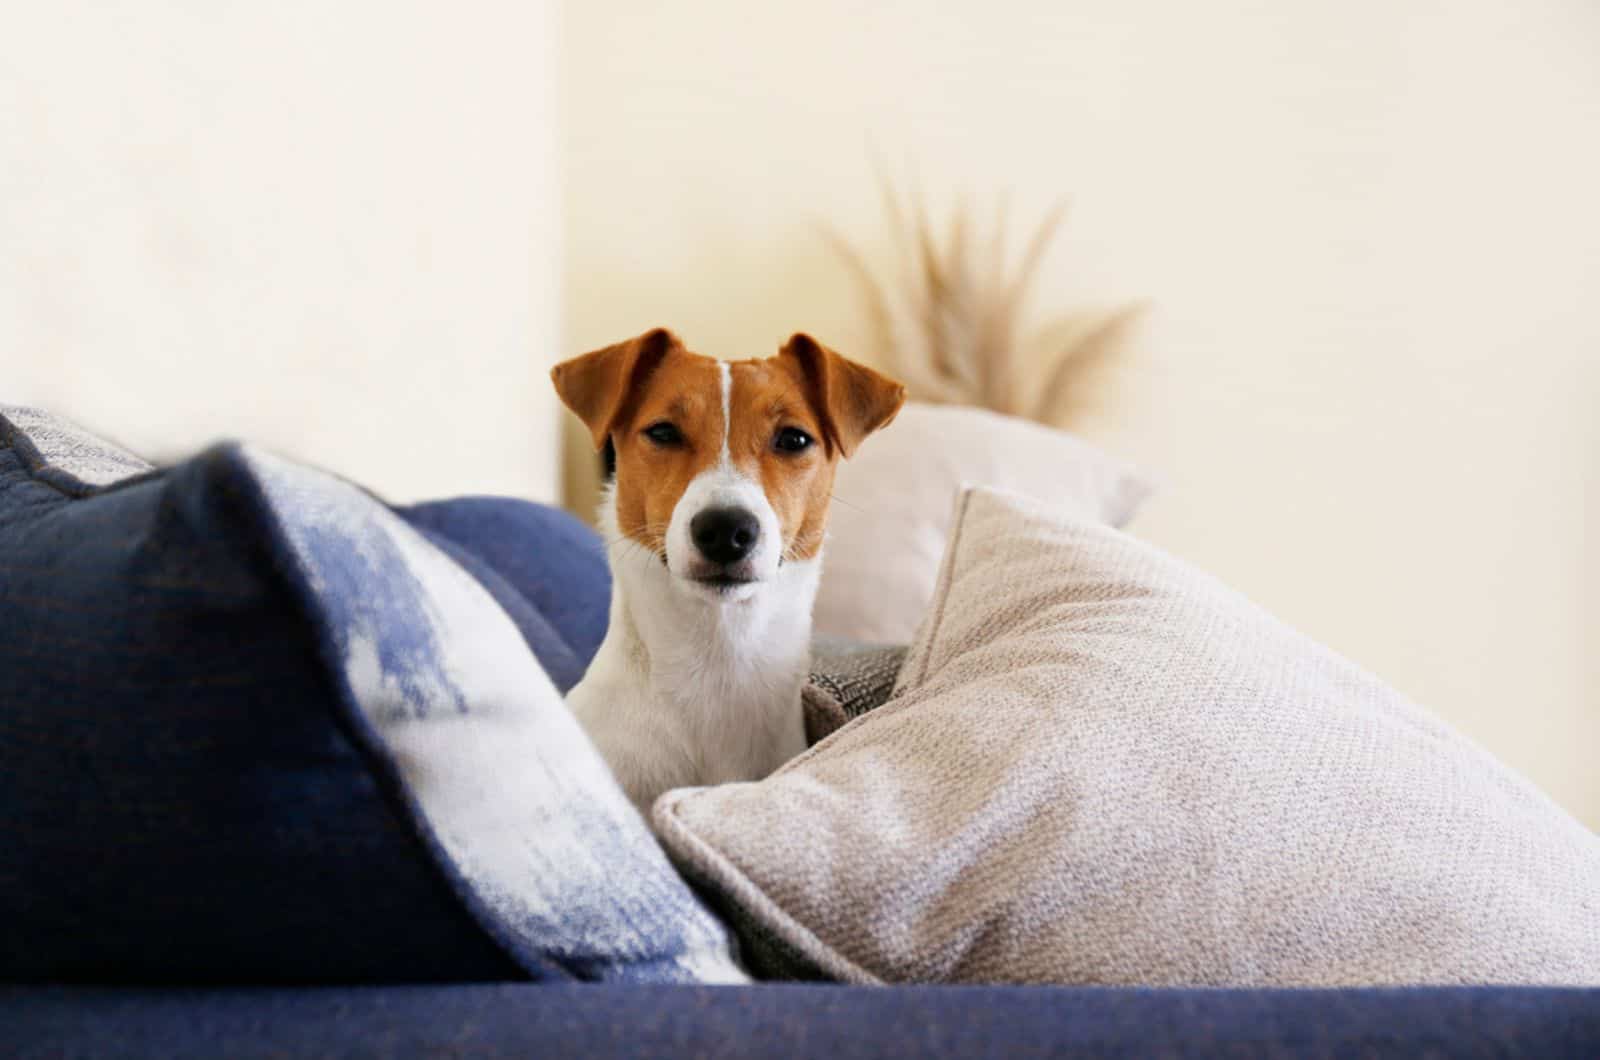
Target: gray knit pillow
<point>1102,766</point>
<point>848,678</point>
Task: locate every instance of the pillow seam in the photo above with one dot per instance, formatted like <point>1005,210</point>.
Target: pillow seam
<point>941,591</point>
<point>41,470</point>
<point>14,438</point>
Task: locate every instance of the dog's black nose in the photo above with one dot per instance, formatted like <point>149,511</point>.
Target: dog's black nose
<point>725,535</point>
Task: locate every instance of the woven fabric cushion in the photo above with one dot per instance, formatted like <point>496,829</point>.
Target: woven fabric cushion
<point>254,727</point>
<point>1103,766</point>
<point>887,534</point>
<point>848,678</point>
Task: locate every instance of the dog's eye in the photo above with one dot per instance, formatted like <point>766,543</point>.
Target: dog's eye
<point>791,440</point>
<point>663,433</point>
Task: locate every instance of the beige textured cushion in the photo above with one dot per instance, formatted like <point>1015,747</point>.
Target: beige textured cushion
<point>1102,766</point>
<point>887,533</point>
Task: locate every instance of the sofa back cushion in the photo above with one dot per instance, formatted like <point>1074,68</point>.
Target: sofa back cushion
<point>888,531</point>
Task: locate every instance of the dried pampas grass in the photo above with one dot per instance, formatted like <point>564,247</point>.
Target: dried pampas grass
<point>949,326</point>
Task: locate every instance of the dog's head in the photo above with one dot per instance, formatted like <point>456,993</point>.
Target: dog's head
<point>724,470</point>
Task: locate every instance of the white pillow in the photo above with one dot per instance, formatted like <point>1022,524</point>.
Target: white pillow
<point>1101,766</point>
<point>887,530</point>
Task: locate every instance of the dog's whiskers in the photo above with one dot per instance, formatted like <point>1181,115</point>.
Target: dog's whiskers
<point>630,544</point>
<point>657,531</point>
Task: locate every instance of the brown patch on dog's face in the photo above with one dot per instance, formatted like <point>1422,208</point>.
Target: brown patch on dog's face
<point>777,439</point>
<point>682,398</point>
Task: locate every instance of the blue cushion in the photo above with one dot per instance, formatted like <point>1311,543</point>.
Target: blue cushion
<point>243,718</point>
<point>829,1022</point>
<point>543,566</point>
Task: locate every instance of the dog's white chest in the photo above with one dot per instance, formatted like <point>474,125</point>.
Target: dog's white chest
<point>684,692</point>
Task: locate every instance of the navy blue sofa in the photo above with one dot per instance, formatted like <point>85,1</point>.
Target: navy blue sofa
<point>166,762</point>
<point>833,1022</point>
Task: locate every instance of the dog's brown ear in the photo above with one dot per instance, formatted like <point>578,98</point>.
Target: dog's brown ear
<point>597,385</point>
<point>853,399</point>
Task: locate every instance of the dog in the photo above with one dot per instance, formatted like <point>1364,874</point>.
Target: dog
<point>714,517</point>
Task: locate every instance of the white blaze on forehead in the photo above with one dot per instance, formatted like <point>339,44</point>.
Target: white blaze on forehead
<point>726,374</point>
<point>724,485</point>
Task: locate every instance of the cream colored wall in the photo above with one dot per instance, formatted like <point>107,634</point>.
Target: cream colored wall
<point>1370,228</point>
<point>328,227</point>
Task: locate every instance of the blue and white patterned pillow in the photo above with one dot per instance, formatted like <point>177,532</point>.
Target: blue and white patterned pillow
<point>256,727</point>
<point>499,776</point>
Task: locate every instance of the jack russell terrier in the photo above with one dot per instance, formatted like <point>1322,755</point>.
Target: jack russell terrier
<point>714,518</point>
